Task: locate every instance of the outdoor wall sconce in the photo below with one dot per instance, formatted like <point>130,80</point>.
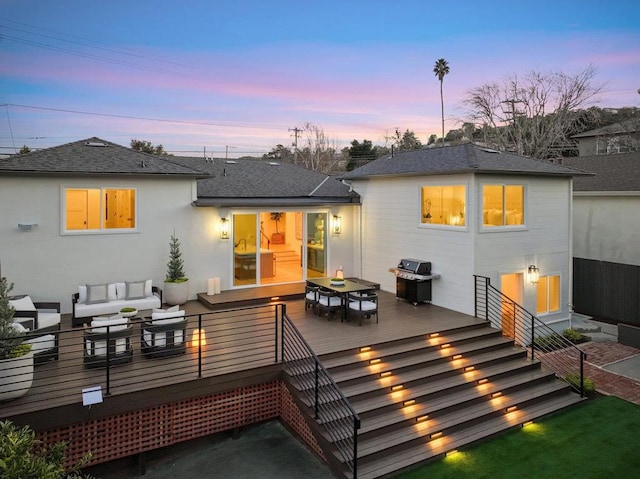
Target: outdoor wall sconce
<point>337,225</point>
<point>26,226</point>
<point>224,228</point>
<point>534,274</point>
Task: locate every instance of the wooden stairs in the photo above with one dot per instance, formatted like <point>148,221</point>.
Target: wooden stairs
<point>419,398</point>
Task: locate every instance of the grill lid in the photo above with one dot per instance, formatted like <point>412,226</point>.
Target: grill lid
<point>416,266</point>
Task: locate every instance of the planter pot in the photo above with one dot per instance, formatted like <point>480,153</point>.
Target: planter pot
<point>16,376</point>
<point>176,293</point>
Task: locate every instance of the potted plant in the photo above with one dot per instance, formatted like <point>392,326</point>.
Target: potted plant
<point>16,357</point>
<point>277,237</point>
<point>176,286</point>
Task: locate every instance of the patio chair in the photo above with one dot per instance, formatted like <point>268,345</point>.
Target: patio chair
<point>107,342</point>
<point>41,321</point>
<point>165,334</point>
<point>362,306</point>
<point>311,297</point>
<point>329,302</point>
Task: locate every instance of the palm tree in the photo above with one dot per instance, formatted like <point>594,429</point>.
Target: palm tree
<point>440,69</point>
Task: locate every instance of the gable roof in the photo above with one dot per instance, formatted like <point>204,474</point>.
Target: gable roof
<point>466,158</point>
<point>92,157</point>
<point>245,182</point>
<point>616,172</point>
<point>624,127</point>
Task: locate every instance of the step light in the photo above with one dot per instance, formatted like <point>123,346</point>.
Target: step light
<point>434,335</point>
<point>409,402</point>
<point>455,357</point>
<point>397,387</point>
<point>422,418</point>
<point>496,394</point>
<point>375,361</point>
<point>365,349</point>
<point>469,368</point>
<point>528,423</point>
<point>511,408</point>
<point>436,435</point>
<point>483,381</point>
<point>445,346</point>
<point>451,452</point>
<point>385,374</point>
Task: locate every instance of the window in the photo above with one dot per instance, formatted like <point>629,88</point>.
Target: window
<point>548,294</point>
<point>96,209</point>
<point>502,205</point>
<point>444,205</point>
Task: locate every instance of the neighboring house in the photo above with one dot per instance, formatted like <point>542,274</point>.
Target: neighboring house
<point>606,236</point>
<point>94,212</point>
<point>621,137</point>
<point>470,211</point>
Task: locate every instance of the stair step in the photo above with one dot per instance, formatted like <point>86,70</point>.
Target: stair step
<point>408,456</point>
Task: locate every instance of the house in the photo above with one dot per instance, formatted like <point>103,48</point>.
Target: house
<point>606,236</point>
<point>471,210</point>
<point>93,211</point>
<point>620,137</point>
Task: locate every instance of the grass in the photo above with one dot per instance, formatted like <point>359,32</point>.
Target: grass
<point>598,439</point>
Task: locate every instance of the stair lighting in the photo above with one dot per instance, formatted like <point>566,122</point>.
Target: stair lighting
<point>436,435</point>
<point>375,361</point>
<point>451,452</point>
<point>469,368</point>
<point>409,402</point>
<point>483,381</point>
<point>434,335</point>
<point>422,418</point>
<point>365,349</point>
<point>528,423</point>
<point>455,357</point>
<point>385,374</point>
<point>496,394</point>
<point>397,387</point>
<point>445,346</point>
<point>511,408</point>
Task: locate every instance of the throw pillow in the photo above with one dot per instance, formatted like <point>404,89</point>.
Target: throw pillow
<point>135,290</point>
<point>22,304</point>
<point>82,294</point>
<point>148,290</point>
<point>97,293</point>
<point>121,290</point>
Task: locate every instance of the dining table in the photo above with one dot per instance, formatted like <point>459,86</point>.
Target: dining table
<point>344,288</point>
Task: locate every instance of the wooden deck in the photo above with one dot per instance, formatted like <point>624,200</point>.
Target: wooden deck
<point>241,349</point>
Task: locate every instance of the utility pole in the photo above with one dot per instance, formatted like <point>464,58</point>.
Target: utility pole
<point>296,131</point>
<point>226,151</point>
<point>516,131</point>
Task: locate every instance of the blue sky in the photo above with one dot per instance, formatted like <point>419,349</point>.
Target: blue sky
<point>241,74</point>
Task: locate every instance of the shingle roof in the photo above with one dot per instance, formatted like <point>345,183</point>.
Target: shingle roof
<point>94,156</point>
<point>245,182</point>
<point>618,172</point>
<point>628,126</point>
<point>466,158</point>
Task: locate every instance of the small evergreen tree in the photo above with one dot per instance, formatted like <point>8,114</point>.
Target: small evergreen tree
<point>175,266</point>
<point>10,339</point>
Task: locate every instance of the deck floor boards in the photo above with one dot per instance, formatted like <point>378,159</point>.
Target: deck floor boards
<point>59,383</point>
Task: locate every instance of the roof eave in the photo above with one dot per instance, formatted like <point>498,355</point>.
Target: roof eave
<point>277,201</point>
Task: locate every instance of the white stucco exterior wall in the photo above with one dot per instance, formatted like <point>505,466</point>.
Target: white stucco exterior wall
<point>607,227</point>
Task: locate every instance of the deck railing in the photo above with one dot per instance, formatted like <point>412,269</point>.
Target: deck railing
<point>331,408</point>
<point>543,343</point>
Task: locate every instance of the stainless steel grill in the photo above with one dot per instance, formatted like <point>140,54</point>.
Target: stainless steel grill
<point>413,280</point>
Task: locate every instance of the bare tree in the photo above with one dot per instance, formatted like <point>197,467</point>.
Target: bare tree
<point>317,152</point>
<point>535,114</point>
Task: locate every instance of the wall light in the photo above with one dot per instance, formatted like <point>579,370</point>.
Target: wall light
<point>534,274</point>
<point>224,228</point>
<point>336,227</point>
<point>26,226</point>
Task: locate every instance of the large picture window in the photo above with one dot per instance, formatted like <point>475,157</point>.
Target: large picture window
<point>502,205</point>
<point>444,205</point>
<point>96,209</point>
<point>548,297</point>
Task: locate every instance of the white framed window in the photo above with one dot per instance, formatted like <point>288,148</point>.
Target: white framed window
<point>548,294</point>
<point>443,205</point>
<point>102,209</point>
<point>503,205</point>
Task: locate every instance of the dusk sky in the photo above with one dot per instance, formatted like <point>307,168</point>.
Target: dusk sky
<point>215,74</point>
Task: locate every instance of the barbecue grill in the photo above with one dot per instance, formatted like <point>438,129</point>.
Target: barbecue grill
<point>413,280</point>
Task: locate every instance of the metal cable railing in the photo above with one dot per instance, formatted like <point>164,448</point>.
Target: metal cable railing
<point>331,408</point>
<point>543,343</point>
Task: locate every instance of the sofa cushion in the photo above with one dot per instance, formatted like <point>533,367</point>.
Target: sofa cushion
<point>167,315</point>
<point>168,310</point>
<point>19,328</point>
<point>99,325</point>
<point>42,343</point>
<point>97,293</point>
<point>22,304</point>
<point>121,290</point>
<point>46,320</point>
<point>135,290</point>
<point>148,288</point>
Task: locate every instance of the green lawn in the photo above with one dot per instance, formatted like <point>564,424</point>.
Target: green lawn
<point>597,439</point>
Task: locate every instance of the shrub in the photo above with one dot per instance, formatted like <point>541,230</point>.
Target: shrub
<point>550,342</point>
<point>574,380</point>
<point>22,456</point>
<point>576,337</point>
